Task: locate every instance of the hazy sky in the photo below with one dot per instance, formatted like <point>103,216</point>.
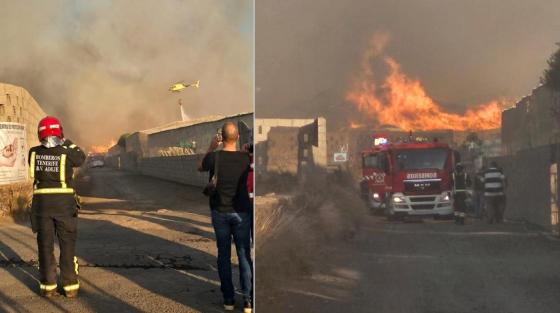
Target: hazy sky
<point>104,67</point>
<point>464,52</point>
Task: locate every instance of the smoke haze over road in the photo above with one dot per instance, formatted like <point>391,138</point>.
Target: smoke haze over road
<point>104,67</point>
<point>464,52</point>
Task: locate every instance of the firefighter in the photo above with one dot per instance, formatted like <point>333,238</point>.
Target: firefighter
<point>461,181</point>
<point>54,206</point>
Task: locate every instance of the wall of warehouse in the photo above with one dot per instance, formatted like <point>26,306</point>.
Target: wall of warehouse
<point>141,151</point>
<point>18,106</point>
<point>180,169</point>
<point>528,194</point>
<point>201,134</point>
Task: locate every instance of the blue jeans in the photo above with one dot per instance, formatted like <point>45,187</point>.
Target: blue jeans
<point>238,226</point>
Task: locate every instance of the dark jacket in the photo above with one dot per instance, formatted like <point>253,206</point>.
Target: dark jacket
<point>461,181</point>
<point>52,172</point>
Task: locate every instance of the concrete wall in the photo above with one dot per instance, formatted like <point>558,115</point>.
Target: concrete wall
<point>310,148</point>
<point>200,133</point>
<point>137,143</point>
<point>280,153</point>
<point>531,122</point>
<point>140,152</point>
<point>18,106</point>
<point>181,169</point>
<point>263,125</point>
<point>528,193</point>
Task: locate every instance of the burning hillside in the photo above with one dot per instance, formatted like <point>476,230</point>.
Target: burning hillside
<point>403,102</point>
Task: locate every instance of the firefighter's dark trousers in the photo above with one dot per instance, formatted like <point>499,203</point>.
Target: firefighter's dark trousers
<point>460,205</point>
<point>66,229</point>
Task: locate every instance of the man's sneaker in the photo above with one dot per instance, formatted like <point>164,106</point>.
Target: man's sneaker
<point>248,307</point>
<point>229,305</point>
<point>71,294</point>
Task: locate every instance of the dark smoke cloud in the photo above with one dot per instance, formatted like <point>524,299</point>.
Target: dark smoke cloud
<point>104,67</point>
<point>464,52</point>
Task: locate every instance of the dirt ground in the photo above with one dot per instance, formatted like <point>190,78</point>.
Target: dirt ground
<point>144,245</point>
<point>324,251</point>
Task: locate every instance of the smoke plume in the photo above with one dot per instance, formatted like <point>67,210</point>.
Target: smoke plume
<point>309,53</point>
<point>104,67</point>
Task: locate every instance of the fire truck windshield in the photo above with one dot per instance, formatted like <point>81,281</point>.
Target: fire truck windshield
<point>371,161</point>
<point>417,159</point>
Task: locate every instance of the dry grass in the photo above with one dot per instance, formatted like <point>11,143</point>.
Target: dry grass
<point>293,230</point>
<point>16,201</point>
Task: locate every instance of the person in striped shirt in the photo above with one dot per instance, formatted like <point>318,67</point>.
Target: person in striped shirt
<point>494,193</point>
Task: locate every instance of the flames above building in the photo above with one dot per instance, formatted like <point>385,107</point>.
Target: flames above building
<point>98,149</point>
<point>403,102</point>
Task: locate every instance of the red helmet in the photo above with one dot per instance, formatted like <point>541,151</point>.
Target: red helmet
<point>49,126</point>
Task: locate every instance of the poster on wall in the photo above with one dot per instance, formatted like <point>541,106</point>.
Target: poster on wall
<point>340,157</point>
<point>13,153</point>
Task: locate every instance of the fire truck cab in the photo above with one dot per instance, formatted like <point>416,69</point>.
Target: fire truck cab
<point>408,177</point>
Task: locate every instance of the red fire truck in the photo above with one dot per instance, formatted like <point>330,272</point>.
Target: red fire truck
<point>408,177</point>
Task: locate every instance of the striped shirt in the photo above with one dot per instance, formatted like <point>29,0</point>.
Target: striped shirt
<point>494,181</point>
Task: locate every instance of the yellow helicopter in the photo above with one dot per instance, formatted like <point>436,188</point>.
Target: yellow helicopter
<point>178,87</point>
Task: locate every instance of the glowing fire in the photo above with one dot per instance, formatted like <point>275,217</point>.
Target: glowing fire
<point>102,148</point>
<point>354,125</point>
<point>403,102</point>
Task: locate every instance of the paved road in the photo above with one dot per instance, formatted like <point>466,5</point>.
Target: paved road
<point>145,245</point>
<point>340,258</point>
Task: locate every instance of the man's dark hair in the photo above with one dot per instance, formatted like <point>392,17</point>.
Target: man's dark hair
<point>230,132</point>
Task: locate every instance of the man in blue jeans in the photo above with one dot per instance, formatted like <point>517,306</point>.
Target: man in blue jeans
<point>231,212</point>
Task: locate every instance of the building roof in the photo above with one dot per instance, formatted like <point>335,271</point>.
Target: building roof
<point>191,122</point>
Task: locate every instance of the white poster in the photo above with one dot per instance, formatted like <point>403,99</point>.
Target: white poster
<point>340,157</point>
<point>13,153</point>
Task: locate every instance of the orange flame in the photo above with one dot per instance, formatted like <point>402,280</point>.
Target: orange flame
<point>354,125</point>
<point>404,103</point>
<point>102,148</point>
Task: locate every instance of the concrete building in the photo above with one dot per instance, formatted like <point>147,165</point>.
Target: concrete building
<point>532,122</point>
<point>18,106</point>
<point>285,145</point>
<point>173,151</point>
<point>195,133</point>
<point>531,153</point>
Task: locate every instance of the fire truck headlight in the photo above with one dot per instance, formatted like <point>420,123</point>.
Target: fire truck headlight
<point>445,196</point>
<point>398,199</point>
<point>376,196</point>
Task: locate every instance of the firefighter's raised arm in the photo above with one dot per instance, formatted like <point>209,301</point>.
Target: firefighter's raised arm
<point>75,154</point>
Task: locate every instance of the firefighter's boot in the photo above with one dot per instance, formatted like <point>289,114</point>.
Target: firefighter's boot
<point>71,293</point>
<point>48,291</point>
